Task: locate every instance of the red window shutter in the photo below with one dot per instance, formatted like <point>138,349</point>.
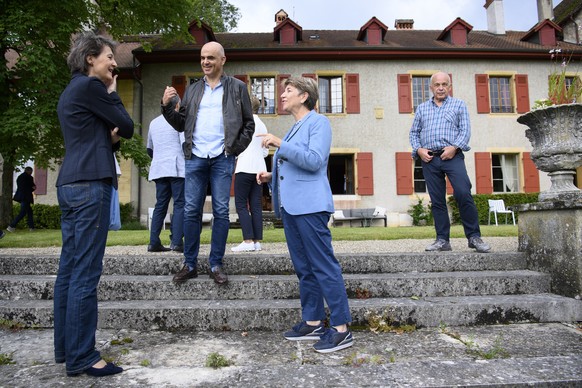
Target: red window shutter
<point>451,89</point>
<point>40,178</point>
<point>310,75</point>
<point>244,78</point>
<point>522,93</point>
<point>483,173</point>
<point>531,175</point>
<point>281,78</point>
<point>365,173</point>
<point>179,83</point>
<point>353,93</point>
<point>482,90</point>
<point>404,93</point>
<point>449,186</point>
<point>404,171</point>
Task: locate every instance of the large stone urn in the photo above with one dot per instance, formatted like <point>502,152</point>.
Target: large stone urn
<point>555,133</point>
<point>550,231</point>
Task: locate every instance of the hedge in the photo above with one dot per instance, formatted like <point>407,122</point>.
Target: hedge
<point>483,205</point>
<point>49,216</point>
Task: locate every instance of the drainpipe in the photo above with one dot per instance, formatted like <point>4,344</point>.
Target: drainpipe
<point>135,77</point>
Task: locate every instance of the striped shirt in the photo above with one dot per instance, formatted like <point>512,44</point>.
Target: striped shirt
<point>435,127</point>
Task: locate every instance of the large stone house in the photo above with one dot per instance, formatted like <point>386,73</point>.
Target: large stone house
<point>370,81</point>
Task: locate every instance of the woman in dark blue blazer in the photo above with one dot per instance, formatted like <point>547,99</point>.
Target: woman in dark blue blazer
<point>92,121</point>
<point>302,197</point>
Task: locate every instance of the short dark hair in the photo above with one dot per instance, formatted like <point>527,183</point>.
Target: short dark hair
<point>28,169</point>
<point>85,44</point>
<point>305,85</point>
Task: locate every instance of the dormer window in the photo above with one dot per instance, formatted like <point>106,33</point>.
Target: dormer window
<point>201,32</point>
<point>288,32</point>
<point>544,33</point>
<point>456,33</point>
<point>373,32</point>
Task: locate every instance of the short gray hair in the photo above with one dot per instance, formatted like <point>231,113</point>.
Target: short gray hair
<point>86,44</point>
<point>305,85</point>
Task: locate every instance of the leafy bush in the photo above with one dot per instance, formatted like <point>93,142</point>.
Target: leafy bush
<point>483,206</point>
<point>421,214</point>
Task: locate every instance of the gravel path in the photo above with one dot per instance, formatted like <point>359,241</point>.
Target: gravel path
<point>498,244</point>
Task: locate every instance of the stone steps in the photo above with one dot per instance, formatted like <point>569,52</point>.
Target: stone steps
<point>424,289</point>
<point>277,314</point>
<point>155,287</point>
<point>278,264</point>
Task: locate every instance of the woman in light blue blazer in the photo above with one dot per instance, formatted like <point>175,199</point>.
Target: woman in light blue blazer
<point>302,198</point>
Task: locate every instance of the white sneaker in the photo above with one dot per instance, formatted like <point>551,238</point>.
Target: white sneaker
<point>258,246</point>
<point>10,229</point>
<point>244,247</point>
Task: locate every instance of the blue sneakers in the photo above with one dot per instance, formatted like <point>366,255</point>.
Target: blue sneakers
<point>333,340</point>
<point>302,331</point>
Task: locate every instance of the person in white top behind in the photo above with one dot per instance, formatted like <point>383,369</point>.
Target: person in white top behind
<point>247,193</point>
<point>167,171</point>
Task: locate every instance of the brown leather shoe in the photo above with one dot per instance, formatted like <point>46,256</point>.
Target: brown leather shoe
<point>185,274</point>
<point>219,276</point>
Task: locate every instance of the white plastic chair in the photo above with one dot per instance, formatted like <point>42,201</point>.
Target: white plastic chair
<point>167,220</point>
<point>498,206</point>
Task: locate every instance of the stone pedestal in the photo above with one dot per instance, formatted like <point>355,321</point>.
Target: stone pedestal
<point>550,233</point>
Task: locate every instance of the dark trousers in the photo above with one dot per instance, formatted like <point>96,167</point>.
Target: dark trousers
<point>319,272</point>
<point>166,189</point>
<point>434,175</point>
<point>25,210</point>
<point>247,199</point>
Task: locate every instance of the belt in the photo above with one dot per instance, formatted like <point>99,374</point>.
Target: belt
<point>440,152</point>
<point>436,152</point>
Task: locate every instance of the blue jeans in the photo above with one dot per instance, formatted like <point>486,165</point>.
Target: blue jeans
<point>248,196</point>
<point>84,226</point>
<point>166,189</point>
<point>319,272</point>
<point>199,173</point>
<point>434,175</point>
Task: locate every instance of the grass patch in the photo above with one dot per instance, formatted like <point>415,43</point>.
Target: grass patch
<point>473,349</point>
<point>52,237</point>
<point>216,360</point>
<point>383,323</point>
<point>6,359</point>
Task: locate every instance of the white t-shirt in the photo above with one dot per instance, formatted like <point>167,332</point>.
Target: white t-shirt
<point>252,160</point>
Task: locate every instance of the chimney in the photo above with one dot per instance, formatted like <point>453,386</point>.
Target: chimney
<point>404,24</point>
<point>280,17</point>
<point>545,10</point>
<point>495,18</point>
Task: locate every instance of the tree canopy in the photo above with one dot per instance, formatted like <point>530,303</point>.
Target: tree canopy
<point>35,39</point>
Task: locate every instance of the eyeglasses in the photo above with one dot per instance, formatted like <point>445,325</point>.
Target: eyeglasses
<point>444,85</point>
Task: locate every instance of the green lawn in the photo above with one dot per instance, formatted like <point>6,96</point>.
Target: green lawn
<point>22,238</point>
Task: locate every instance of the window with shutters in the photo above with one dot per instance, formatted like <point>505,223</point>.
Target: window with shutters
<point>420,90</point>
<point>331,94</point>
<point>419,182</point>
<point>500,94</point>
<point>505,173</point>
<point>340,172</point>
<point>264,89</point>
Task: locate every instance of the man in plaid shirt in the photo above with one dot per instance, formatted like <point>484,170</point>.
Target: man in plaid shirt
<point>439,134</point>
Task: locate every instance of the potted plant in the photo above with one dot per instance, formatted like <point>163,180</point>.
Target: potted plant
<point>555,131</point>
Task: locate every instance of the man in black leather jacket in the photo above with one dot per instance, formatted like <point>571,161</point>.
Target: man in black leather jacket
<point>217,120</point>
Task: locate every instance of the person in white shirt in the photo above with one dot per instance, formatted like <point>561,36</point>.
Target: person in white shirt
<point>167,171</point>
<point>247,193</point>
